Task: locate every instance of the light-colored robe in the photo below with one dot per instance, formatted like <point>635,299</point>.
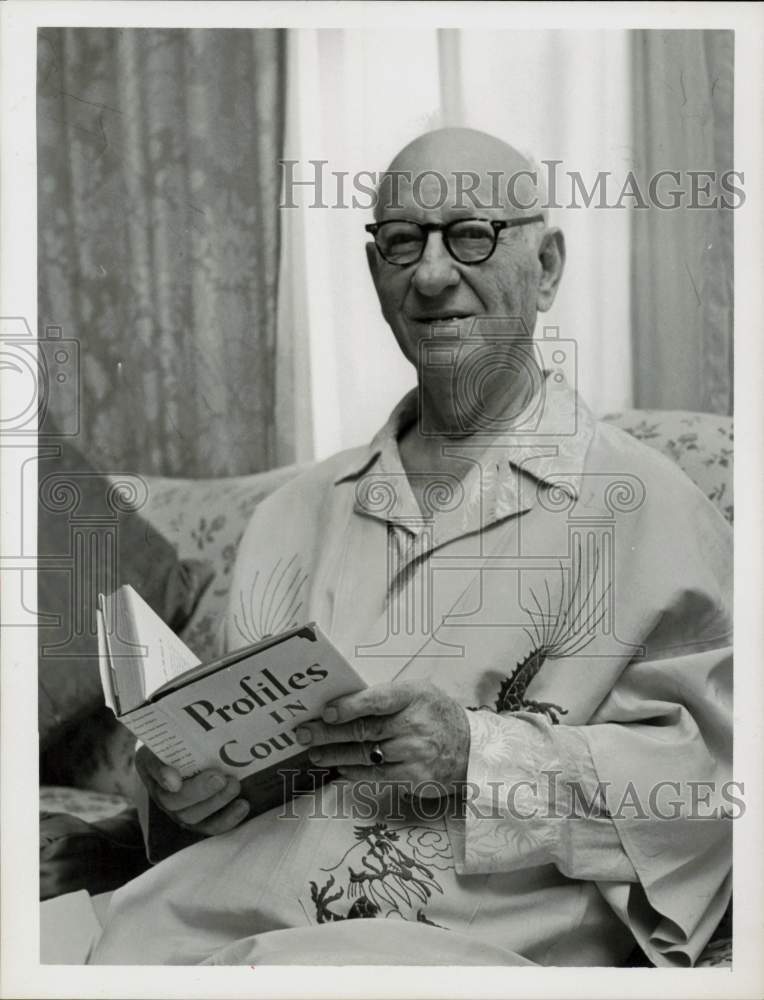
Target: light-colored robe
<point>573,591</point>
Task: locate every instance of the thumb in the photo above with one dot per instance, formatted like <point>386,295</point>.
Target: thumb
<point>165,776</point>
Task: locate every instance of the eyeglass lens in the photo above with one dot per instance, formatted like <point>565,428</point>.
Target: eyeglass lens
<point>468,240</point>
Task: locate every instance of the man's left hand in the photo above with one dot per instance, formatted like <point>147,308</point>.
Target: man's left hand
<point>423,734</point>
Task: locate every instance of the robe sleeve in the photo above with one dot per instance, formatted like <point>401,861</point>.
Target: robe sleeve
<point>532,798</point>
<point>638,801</point>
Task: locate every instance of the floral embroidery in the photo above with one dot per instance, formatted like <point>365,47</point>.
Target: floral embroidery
<point>382,879</point>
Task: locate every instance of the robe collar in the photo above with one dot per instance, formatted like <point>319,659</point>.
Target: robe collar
<point>547,448</point>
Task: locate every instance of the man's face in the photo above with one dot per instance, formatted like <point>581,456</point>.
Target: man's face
<point>511,283</point>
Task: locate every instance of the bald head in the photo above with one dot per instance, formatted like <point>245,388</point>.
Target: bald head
<point>462,169</point>
<point>460,148</point>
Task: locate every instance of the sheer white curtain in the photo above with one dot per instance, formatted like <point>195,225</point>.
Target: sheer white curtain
<point>356,97</point>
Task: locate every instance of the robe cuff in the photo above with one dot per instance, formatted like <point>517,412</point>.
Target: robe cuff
<point>531,799</point>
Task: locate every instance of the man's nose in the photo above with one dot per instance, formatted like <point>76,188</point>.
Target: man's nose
<point>435,271</point>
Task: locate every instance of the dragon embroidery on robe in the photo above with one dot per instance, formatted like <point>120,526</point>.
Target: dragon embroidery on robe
<point>385,879</point>
<point>554,633</point>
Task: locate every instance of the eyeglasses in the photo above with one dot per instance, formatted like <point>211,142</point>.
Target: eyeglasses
<point>469,241</point>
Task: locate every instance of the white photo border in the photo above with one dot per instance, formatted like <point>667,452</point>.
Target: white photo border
<point>22,975</point>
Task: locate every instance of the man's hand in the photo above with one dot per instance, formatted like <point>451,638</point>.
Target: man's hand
<point>206,803</point>
<point>422,732</point>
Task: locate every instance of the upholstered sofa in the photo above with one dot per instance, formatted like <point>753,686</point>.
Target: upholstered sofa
<point>204,520</point>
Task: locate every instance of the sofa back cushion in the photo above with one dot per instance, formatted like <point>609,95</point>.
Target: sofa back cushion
<point>92,535</point>
<point>701,444</point>
<point>204,519</point>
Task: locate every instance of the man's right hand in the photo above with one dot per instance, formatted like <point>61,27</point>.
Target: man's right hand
<point>208,803</point>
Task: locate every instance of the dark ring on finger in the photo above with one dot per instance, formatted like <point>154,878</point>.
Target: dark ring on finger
<point>376,755</point>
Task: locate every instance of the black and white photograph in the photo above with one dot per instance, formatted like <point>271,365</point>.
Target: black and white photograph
<point>370,378</point>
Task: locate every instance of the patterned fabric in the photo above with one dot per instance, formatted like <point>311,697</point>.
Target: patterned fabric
<point>86,805</point>
<point>158,187</point>
<point>205,520</point>
<point>701,444</point>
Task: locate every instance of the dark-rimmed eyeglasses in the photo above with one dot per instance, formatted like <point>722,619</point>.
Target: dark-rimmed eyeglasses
<point>469,241</point>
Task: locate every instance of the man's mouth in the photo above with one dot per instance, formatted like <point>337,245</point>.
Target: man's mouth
<point>444,319</point>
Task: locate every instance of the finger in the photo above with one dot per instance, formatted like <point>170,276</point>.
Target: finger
<point>226,820</point>
<point>380,699</point>
<point>200,811</point>
<point>195,790</point>
<point>340,753</point>
<point>397,773</point>
<point>363,730</point>
<point>399,750</point>
<point>412,782</point>
<point>149,765</point>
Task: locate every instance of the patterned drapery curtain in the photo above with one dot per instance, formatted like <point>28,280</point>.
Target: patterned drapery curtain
<point>158,226</point>
<point>682,274</point>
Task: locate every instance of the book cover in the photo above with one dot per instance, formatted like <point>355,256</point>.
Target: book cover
<point>236,714</point>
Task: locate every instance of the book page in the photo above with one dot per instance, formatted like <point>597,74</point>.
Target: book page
<point>120,654</point>
<point>151,726</point>
<point>104,660</point>
<point>143,652</point>
<point>164,656</point>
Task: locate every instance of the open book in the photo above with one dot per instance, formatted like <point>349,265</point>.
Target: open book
<point>236,714</point>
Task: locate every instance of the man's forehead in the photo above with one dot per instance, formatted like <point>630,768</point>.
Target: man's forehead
<point>456,171</point>
<point>456,192</point>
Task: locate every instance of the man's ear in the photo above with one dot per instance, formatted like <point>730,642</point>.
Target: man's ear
<point>552,260</point>
<point>372,259</point>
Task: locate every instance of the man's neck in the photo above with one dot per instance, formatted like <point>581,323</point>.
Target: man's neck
<point>444,422</point>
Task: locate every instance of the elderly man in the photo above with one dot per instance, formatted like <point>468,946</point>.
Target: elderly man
<point>540,607</point>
